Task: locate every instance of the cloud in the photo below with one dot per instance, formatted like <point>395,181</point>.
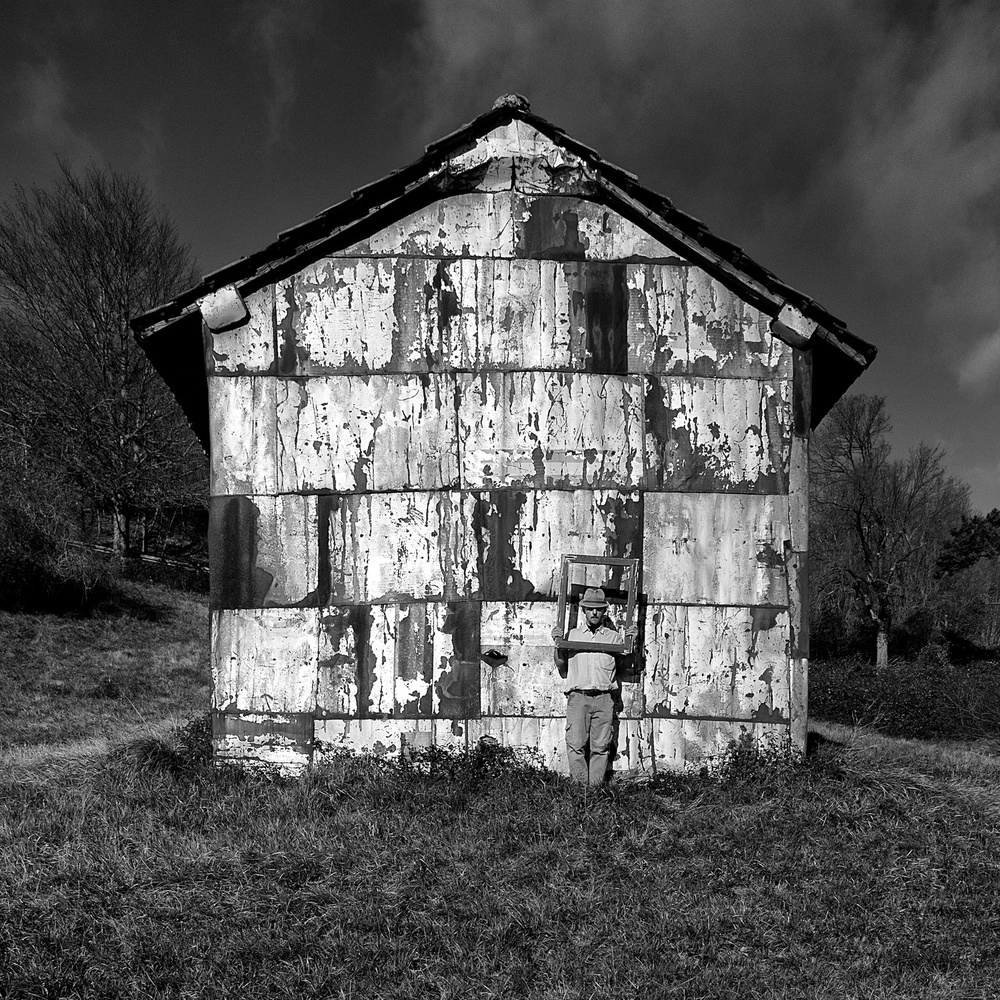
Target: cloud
<point>853,148</point>
<point>706,90</point>
<point>923,150</point>
<point>44,112</point>
<point>277,28</point>
<point>982,364</point>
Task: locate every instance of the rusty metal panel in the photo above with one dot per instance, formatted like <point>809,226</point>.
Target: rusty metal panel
<point>351,315</point>
<point>540,314</point>
<point>802,371</point>
<point>685,743</point>
<point>451,733</point>
<point>275,740</point>
<point>521,679</point>
<point>465,225</point>
<point>634,746</point>
<point>414,656</point>
<point>545,429</point>
<point>352,433</point>
<point>798,586</point>
<point>680,320</point>
<point>264,660</point>
<point>520,314</point>
<point>508,224</point>
<point>242,422</point>
<point>379,737</point>
<point>715,548</point>
<point>707,435</point>
<point>657,324</point>
<point>489,164</point>
<point>512,317</point>
<point>403,660</point>
<point>386,737</point>
<point>726,337</point>
<point>558,227</point>
<point>544,737</point>
<point>387,547</point>
<point>247,349</point>
<point>523,535</point>
<point>456,654</point>
<point>729,663</point>
<point>264,551</point>
<point>338,661</point>
<point>375,642</point>
<point>403,314</point>
<point>340,315</point>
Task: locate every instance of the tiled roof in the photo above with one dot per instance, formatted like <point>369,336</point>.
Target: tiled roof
<point>840,356</point>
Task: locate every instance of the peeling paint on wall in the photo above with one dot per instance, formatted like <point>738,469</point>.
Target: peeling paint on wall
<point>550,430</point>
<point>385,547</point>
<point>283,740</point>
<point>242,420</point>
<point>716,662</point>
<point>683,321</point>
<point>264,660</point>
<point>709,435</point>
<point>565,228</point>
<point>523,535</point>
<point>354,433</point>
<point>706,548</point>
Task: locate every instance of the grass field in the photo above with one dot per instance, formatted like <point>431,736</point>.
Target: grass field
<point>140,661</point>
<point>131,869</point>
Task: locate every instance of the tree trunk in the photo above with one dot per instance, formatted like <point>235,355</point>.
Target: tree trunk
<point>119,536</point>
<point>881,648</point>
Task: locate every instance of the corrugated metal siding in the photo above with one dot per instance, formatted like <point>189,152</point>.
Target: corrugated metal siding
<point>407,437</point>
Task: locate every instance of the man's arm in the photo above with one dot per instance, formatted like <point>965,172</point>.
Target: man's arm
<point>561,656</point>
<point>624,661</point>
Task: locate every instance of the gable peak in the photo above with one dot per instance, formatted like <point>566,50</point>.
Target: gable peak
<point>515,102</point>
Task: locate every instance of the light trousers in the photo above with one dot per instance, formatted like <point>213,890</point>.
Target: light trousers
<point>590,721</point>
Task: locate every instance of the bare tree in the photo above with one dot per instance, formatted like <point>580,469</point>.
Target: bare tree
<point>879,524</point>
<point>76,263</point>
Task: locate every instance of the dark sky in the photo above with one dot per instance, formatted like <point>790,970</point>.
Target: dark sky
<point>851,146</point>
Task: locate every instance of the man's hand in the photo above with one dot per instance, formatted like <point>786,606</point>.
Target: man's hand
<point>557,632</point>
<point>631,634</point>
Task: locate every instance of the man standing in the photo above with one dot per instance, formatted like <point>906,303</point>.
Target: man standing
<point>591,687</point>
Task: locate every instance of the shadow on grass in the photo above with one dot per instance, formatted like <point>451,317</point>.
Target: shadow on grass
<point>111,598</point>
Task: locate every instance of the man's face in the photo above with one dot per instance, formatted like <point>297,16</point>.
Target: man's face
<point>594,616</point>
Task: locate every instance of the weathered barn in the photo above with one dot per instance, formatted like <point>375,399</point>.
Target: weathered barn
<point>417,402</point>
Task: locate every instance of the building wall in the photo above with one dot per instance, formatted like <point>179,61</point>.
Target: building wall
<point>407,436</point>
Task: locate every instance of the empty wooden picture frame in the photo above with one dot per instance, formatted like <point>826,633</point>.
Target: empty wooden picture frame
<point>618,578</point>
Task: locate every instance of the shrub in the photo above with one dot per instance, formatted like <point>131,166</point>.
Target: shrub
<point>185,751</point>
<point>752,761</point>
<point>926,697</point>
<point>486,762</point>
<point>40,569</point>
